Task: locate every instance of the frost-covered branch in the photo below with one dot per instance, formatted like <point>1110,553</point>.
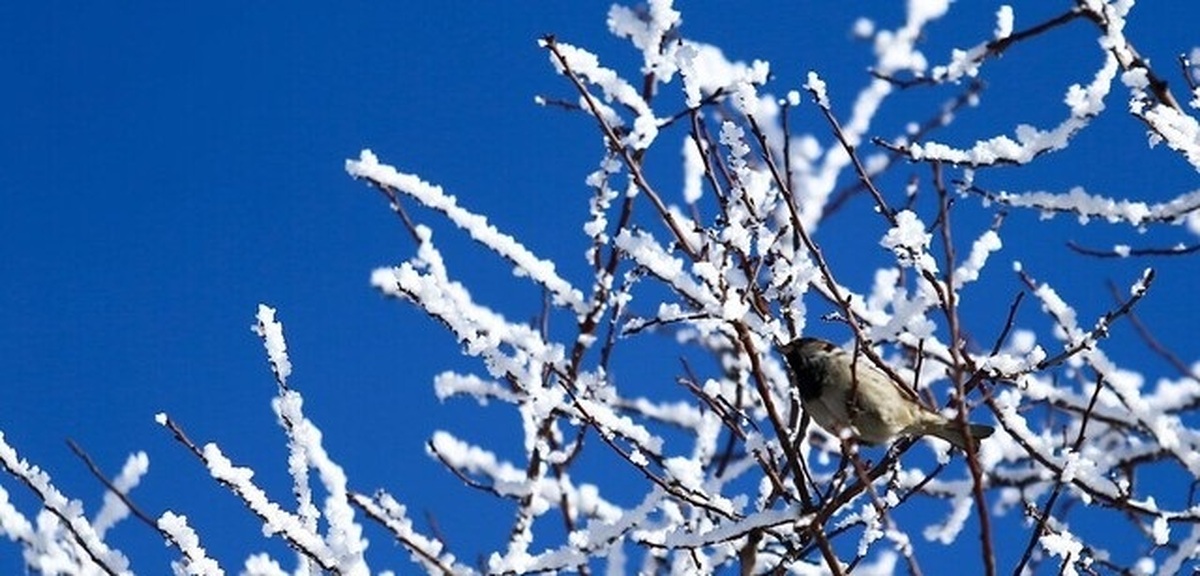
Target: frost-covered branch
<point>383,508</point>
<point>525,262</point>
<point>85,547</point>
<point>1086,207</point>
<point>237,479</point>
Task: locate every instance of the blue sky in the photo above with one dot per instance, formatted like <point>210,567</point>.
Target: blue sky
<point>168,168</point>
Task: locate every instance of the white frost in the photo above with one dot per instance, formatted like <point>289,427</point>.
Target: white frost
<point>693,171</point>
<point>1161,531</point>
<point>1064,546</point>
<point>816,86</point>
<point>197,560</point>
<point>1004,22</point>
<point>271,332</point>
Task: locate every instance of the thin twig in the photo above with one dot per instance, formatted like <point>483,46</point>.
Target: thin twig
<point>128,502</point>
<point>1157,347</point>
<point>1102,325</point>
<point>1177,250</point>
<point>1058,485</point>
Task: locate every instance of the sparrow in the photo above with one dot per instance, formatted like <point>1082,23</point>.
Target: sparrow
<point>875,409</point>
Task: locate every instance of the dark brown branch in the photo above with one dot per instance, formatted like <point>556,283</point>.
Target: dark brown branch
<point>372,510</point>
<point>861,170</point>
<point>462,477</point>
<point>1178,250</point>
<point>939,120</point>
<point>1157,347</point>
<point>394,202</point>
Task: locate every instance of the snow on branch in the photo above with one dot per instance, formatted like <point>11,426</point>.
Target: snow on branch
<point>275,519</point>
<point>84,547</point>
<point>271,333</point>
<point>644,249</point>
<point>196,560</point>
<point>393,515</point>
<point>648,31</point>
<point>1083,102</point>
<point>425,281</point>
<point>586,66</point>
<point>1087,206</point>
<point>525,262</point>
<point>305,451</point>
<point>1080,343</point>
<point>341,549</point>
<point>116,508</point>
<point>1150,100</point>
<point>981,249</point>
<point>344,534</point>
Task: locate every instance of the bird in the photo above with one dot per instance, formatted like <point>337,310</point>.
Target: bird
<point>875,409</point>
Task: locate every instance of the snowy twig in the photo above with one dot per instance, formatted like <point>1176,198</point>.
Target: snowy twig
<point>68,512</point>
<point>817,89</point>
<point>637,458</point>
<point>972,58</point>
<point>1086,206</point>
<point>1040,528</point>
<point>389,513</point>
<point>274,518</point>
<point>941,119</point>
<point>1085,341</point>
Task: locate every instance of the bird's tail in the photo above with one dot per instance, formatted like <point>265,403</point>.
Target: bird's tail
<point>951,432</point>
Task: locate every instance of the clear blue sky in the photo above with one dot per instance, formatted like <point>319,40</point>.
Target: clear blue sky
<point>167,168</point>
